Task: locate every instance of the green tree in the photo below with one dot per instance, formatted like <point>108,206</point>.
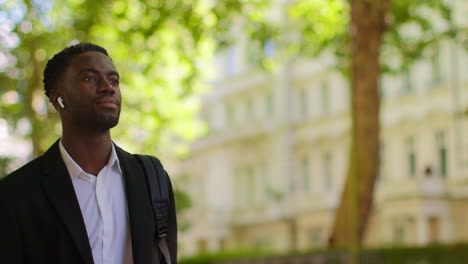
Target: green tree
<point>363,34</point>
<point>35,30</point>
<point>4,166</point>
<point>162,49</point>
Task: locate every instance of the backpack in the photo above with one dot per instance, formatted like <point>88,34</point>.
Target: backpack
<point>156,180</point>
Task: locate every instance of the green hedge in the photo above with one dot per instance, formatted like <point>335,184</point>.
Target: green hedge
<point>436,254</point>
<point>223,256</point>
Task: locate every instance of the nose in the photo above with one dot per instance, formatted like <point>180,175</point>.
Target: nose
<point>105,86</point>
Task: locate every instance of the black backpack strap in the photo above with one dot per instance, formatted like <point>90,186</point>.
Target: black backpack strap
<point>156,179</point>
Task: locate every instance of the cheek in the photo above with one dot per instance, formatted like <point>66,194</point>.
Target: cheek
<point>81,95</point>
<point>118,93</point>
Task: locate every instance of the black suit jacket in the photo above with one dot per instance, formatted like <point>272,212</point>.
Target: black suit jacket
<point>41,221</point>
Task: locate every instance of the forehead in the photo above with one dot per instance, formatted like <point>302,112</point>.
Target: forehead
<point>92,60</point>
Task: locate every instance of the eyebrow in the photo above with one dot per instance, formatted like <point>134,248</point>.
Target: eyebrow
<point>96,71</point>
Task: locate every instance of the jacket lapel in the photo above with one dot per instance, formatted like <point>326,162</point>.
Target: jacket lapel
<point>59,189</point>
<point>139,208</point>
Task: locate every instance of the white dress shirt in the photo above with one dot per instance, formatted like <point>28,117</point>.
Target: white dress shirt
<point>103,205</point>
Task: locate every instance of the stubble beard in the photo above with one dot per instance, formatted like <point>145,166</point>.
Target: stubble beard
<point>94,120</point>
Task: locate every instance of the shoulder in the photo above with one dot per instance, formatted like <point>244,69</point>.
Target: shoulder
<point>20,179</point>
<point>122,154</point>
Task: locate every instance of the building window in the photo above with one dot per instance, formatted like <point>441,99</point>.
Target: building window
<point>199,198</point>
<point>303,103</point>
<point>269,48</point>
<point>381,87</point>
<point>249,111</point>
<point>325,94</point>
<point>222,244</point>
<point>316,238</point>
<point>230,113</point>
<point>433,223</point>
<point>411,157</point>
<point>239,187</point>
<point>266,180</point>
<point>327,171</point>
<point>305,173</point>
<point>263,181</point>
<point>246,186</point>
<point>202,245</point>
<point>407,82</point>
<point>399,234</point>
<point>381,173</point>
<point>269,104</point>
<point>250,180</point>
<point>435,66</point>
<point>292,183</point>
<point>206,118</point>
<point>231,64</point>
<point>442,154</point>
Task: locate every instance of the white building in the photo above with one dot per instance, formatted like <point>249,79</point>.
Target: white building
<point>269,173</point>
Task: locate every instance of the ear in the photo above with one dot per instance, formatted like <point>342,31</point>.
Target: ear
<point>54,94</point>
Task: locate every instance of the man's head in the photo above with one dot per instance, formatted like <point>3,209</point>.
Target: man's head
<point>59,63</point>
<point>82,83</point>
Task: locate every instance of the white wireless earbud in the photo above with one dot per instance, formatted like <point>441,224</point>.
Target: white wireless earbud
<point>60,102</point>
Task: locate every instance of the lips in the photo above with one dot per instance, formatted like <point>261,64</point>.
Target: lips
<point>107,102</point>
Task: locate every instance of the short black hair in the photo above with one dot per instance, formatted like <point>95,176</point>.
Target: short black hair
<point>59,63</point>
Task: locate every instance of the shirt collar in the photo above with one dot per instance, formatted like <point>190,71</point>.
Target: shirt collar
<point>75,170</point>
<point>114,160</point>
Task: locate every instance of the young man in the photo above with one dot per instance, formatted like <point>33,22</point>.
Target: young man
<point>85,200</point>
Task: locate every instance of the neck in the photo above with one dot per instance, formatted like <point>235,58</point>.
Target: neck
<point>90,150</point>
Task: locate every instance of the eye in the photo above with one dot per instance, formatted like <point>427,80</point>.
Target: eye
<point>114,81</point>
<point>89,78</point>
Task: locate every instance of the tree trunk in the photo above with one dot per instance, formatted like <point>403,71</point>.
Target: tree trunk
<point>351,217</point>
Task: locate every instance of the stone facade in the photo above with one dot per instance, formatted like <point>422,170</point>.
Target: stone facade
<point>268,174</point>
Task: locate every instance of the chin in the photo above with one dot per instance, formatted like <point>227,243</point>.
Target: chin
<point>106,122</point>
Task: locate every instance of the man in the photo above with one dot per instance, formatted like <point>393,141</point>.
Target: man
<point>85,200</point>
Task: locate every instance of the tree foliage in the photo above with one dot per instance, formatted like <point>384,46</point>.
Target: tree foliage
<point>411,30</point>
<point>162,49</point>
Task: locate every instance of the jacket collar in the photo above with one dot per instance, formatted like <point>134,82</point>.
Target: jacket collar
<point>59,189</point>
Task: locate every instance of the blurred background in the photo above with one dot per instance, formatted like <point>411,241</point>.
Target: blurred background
<point>264,112</point>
